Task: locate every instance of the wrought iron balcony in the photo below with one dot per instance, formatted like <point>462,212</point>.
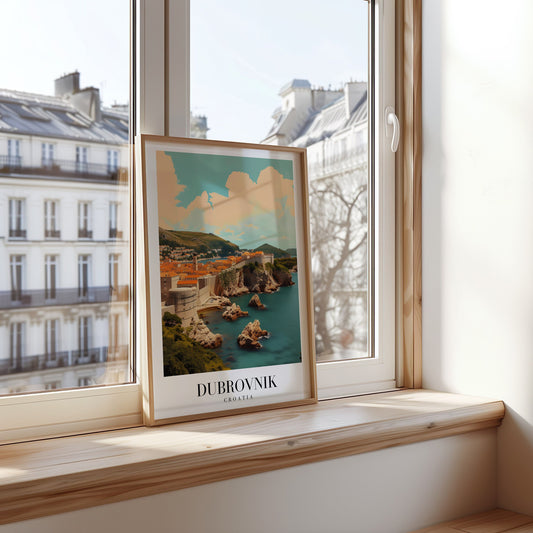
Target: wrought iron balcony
<point>63,359</point>
<point>63,168</point>
<point>52,234</point>
<point>115,234</point>
<point>84,233</point>
<point>15,233</point>
<point>15,299</point>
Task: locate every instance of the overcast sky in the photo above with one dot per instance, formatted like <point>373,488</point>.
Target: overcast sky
<point>242,52</point>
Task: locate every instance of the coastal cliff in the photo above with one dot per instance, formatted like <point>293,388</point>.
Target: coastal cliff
<point>253,277</point>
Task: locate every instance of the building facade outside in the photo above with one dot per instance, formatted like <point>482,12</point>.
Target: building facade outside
<point>333,126</point>
<point>64,239</point>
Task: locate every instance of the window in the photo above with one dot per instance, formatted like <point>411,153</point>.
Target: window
<point>85,381</point>
<point>17,218</point>
<point>51,225</point>
<point>114,336</point>
<point>113,272</point>
<point>336,111</point>
<point>84,271</point>
<point>69,122</point>
<point>17,338</point>
<point>50,277</point>
<point>47,155</point>
<point>81,159</point>
<point>162,107</point>
<point>51,336</point>
<point>113,218</point>
<point>17,264</point>
<point>84,221</point>
<point>13,153</point>
<point>112,160</point>
<point>84,338</point>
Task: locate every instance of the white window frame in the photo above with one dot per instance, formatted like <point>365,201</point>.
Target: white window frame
<point>81,158</point>
<point>17,216</point>
<point>112,160</point>
<point>17,275</point>
<point>51,264</point>
<point>84,219</point>
<point>113,220</point>
<point>17,339</point>
<point>47,155</point>
<point>162,108</point>
<point>51,339</point>
<point>113,264</point>
<point>51,217</point>
<point>377,373</point>
<point>84,276</point>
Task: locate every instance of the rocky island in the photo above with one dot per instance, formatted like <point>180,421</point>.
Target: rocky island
<point>249,338</point>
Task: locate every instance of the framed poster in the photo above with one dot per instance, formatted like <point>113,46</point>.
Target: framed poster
<point>228,289</point>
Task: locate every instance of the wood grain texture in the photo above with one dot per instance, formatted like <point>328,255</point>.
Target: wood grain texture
<point>409,69</point>
<point>495,521</point>
<point>59,475</point>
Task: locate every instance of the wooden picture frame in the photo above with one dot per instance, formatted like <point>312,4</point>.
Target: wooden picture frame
<point>229,317</point>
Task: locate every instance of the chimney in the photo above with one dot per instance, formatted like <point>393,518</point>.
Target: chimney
<point>67,84</point>
<point>88,101</point>
<point>353,92</point>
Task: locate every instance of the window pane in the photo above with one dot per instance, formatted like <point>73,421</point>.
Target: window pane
<point>64,185</point>
<point>295,73</point>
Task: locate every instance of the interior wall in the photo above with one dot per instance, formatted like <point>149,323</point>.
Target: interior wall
<point>478,217</point>
<point>395,490</point>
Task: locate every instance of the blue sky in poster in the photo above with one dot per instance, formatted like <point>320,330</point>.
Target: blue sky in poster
<point>247,200</point>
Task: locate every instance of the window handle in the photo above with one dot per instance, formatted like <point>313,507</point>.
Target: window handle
<point>392,120</point>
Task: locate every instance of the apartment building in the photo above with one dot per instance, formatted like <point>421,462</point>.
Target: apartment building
<point>64,239</point>
<point>333,126</point>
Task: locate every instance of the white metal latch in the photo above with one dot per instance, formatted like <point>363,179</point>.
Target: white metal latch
<point>392,120</point>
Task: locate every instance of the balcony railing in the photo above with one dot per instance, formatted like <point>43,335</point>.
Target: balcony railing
<point>115,234</point>
<point>52,234</point>
<point>41,297</point>
<point>63,168</point>
<point>68,358</point>
<point>11,162</point>
<point>17,233</point>
<point>84,233</point>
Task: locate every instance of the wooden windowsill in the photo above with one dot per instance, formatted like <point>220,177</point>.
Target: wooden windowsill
<point>64,474</point>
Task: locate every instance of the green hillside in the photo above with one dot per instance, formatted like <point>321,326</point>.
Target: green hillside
<point>269,249</point>
<point>196,240</point>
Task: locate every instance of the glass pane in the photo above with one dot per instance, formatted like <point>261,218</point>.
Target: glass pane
<point>295,73</point>
<point>64,188</point>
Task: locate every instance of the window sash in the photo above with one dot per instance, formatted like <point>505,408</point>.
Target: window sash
<point>50,277</point>
<point>50,217</point>
<point>51,332</point>
<point>17,214</point>
<point>161,101</point>
<point>17,332</point>
<point>84,271</point>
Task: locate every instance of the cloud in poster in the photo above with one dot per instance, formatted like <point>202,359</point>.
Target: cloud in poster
<point>244,211</point>
<point>168,190</point>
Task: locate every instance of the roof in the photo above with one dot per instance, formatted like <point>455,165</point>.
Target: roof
<point>329,120</point>
<point>51,116</point>
<point>295,84</point>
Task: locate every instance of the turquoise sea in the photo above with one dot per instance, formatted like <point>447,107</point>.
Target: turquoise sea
<point>280,319</point>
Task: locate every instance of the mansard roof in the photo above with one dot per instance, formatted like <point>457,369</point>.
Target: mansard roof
<point>295,84</point>
<point>324,114</point>
<point>52,116</point>
<point>330,120</point>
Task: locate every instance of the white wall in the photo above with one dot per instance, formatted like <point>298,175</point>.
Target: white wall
<point>478,217</point>
<point>388,491</point>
